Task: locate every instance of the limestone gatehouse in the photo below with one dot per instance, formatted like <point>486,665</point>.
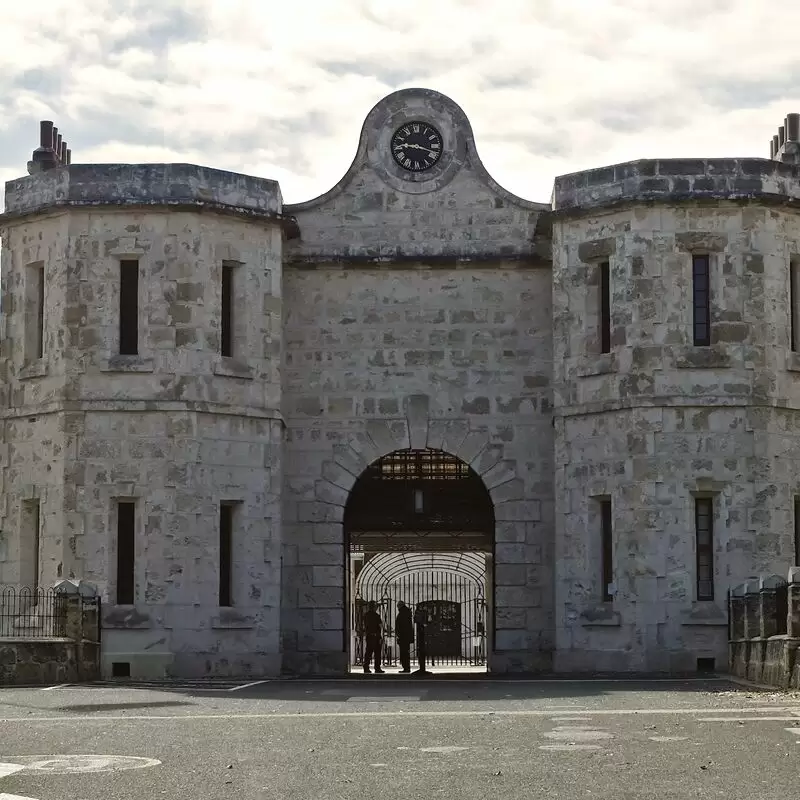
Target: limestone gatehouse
<point>564,429</point>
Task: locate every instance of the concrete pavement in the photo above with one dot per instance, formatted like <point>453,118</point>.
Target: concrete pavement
<point>382,737</point>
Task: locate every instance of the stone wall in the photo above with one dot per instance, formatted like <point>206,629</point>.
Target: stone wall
<point>32,662</point>
<point>177,428</point>
<point>418,314</point>
<point>658,421</point>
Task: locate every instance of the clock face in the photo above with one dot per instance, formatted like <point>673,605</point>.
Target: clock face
<point>416,146</point>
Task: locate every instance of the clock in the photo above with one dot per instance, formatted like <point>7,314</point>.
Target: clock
<point>416,146</point>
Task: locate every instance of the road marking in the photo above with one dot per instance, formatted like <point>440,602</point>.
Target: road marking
<point>643,712</point>
<point>577,734</point>
<point>59,686</point>
<point>246,686</point>
<point>667,738</point>
<point>397,698</point>
<point>7,768</point>
<point>570,719</point>
<point>69,764</point>
<point>747,719</point>
<point>7,796</point>
<point>444,749</point>
<point>568,747</point>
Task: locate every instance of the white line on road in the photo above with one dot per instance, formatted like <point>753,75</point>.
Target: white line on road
<point>59,686</point>
<point>644,712</point>
<point>7,796</point>
<point>246,686</point>
<point>9,769</point>
<point>749,719</point>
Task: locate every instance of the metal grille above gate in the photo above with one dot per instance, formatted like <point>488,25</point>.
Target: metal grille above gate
<point>422,500</point>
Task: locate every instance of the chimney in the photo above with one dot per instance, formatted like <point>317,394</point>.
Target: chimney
<point>52,151</point>
<point>785,145</point>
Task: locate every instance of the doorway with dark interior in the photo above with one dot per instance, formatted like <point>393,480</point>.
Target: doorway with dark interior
<point>419,531</point>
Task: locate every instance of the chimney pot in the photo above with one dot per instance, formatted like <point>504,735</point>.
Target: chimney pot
<point>771,149</point>
<point>63,154</point>
<point>45,133</point>
<point>58,147</point>
<point>54,143</point>
<point>793,127</point>
<point>69,156</point>
<point>776,145</point>
<point>782,135</point>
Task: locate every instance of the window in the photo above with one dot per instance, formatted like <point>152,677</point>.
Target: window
<point>126,551</point>
<point>226,332</point>
<point>704,535</point>
<point>605,308</point>
<point>34,312</point>
<point>794,311</point>
<point>701,295</point>
<point>797,531</point>
<point>606,534</point>
<point>225,553</point>
<point>129,308</point>
<point>30,543</point>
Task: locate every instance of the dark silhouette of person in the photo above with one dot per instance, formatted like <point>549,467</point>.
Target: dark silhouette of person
<point>420,619</point>
<point>372,630</point>
<point>404,631</point>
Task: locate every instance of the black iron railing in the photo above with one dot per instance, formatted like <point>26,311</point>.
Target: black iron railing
<point>29,613</point>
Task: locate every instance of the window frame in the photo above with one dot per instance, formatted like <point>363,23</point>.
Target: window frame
<point>704,547</point>
<point>701,299</point>
<point>128,307</point>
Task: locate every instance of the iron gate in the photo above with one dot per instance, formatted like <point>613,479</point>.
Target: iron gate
<point>455,613</point>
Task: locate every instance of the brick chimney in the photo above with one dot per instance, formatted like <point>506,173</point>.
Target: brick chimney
<point>52,151</point>
<point>785,145</point>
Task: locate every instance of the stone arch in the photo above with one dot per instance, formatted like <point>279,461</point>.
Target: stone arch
<point>417,430</point>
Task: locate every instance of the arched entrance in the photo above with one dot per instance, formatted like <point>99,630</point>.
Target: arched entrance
<point>419,527</point>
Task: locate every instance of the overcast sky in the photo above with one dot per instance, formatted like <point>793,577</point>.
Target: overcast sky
<point>280,89</point>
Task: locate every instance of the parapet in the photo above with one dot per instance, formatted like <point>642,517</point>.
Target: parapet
<point>179,186</point>
<point>677,180</point>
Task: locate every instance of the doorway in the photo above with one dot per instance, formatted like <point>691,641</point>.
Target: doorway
<point>419,528</point>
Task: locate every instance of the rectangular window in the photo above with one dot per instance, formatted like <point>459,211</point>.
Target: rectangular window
<point>34,312</point>
<point>129,308</point>
<point>704,535</point>
<point>794,311</point>
<point>606,533</point>
<point>225,554</point>
<point>30,544</point>
<point>797,531</point>
<point>701,299</point>
<point>605,308</point>
<point>126,551</point>
<point>226,331</point>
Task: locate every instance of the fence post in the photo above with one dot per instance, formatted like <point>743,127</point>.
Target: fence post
<point>67,590</point>
<point>752,623</point>
<point>767,605</point>
<point>793,611</point>
<point>736,612</point>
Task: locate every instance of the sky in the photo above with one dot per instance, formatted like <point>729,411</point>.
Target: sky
<point>280,89</point>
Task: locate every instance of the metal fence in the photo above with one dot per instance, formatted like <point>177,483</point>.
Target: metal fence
<point>28,613</point>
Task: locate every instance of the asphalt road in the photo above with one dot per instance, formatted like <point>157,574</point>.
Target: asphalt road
<point>390,737</point>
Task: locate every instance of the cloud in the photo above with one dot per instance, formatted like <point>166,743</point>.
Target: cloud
<point>281,89</point>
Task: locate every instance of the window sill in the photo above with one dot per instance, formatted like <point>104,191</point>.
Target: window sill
<point>231,368</point>
<point>702,357</point>
<point>705,613</point>
<point>793,361</point>
<point>36,369</point>
<point>601,616</point>
<point>230,619</point>
<point>598,364</point>
<point>121,363</point>
<point>125,617</point>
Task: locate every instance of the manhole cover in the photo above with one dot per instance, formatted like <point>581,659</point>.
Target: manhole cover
<point>65,764</point>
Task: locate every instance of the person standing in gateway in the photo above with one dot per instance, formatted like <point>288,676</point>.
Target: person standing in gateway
<point>373,626</point>
<point>404,631</point>
<point>420,618</point>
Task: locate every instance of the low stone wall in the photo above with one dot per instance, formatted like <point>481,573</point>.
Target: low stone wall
<point>765,630</point>
<point>43,661</point>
